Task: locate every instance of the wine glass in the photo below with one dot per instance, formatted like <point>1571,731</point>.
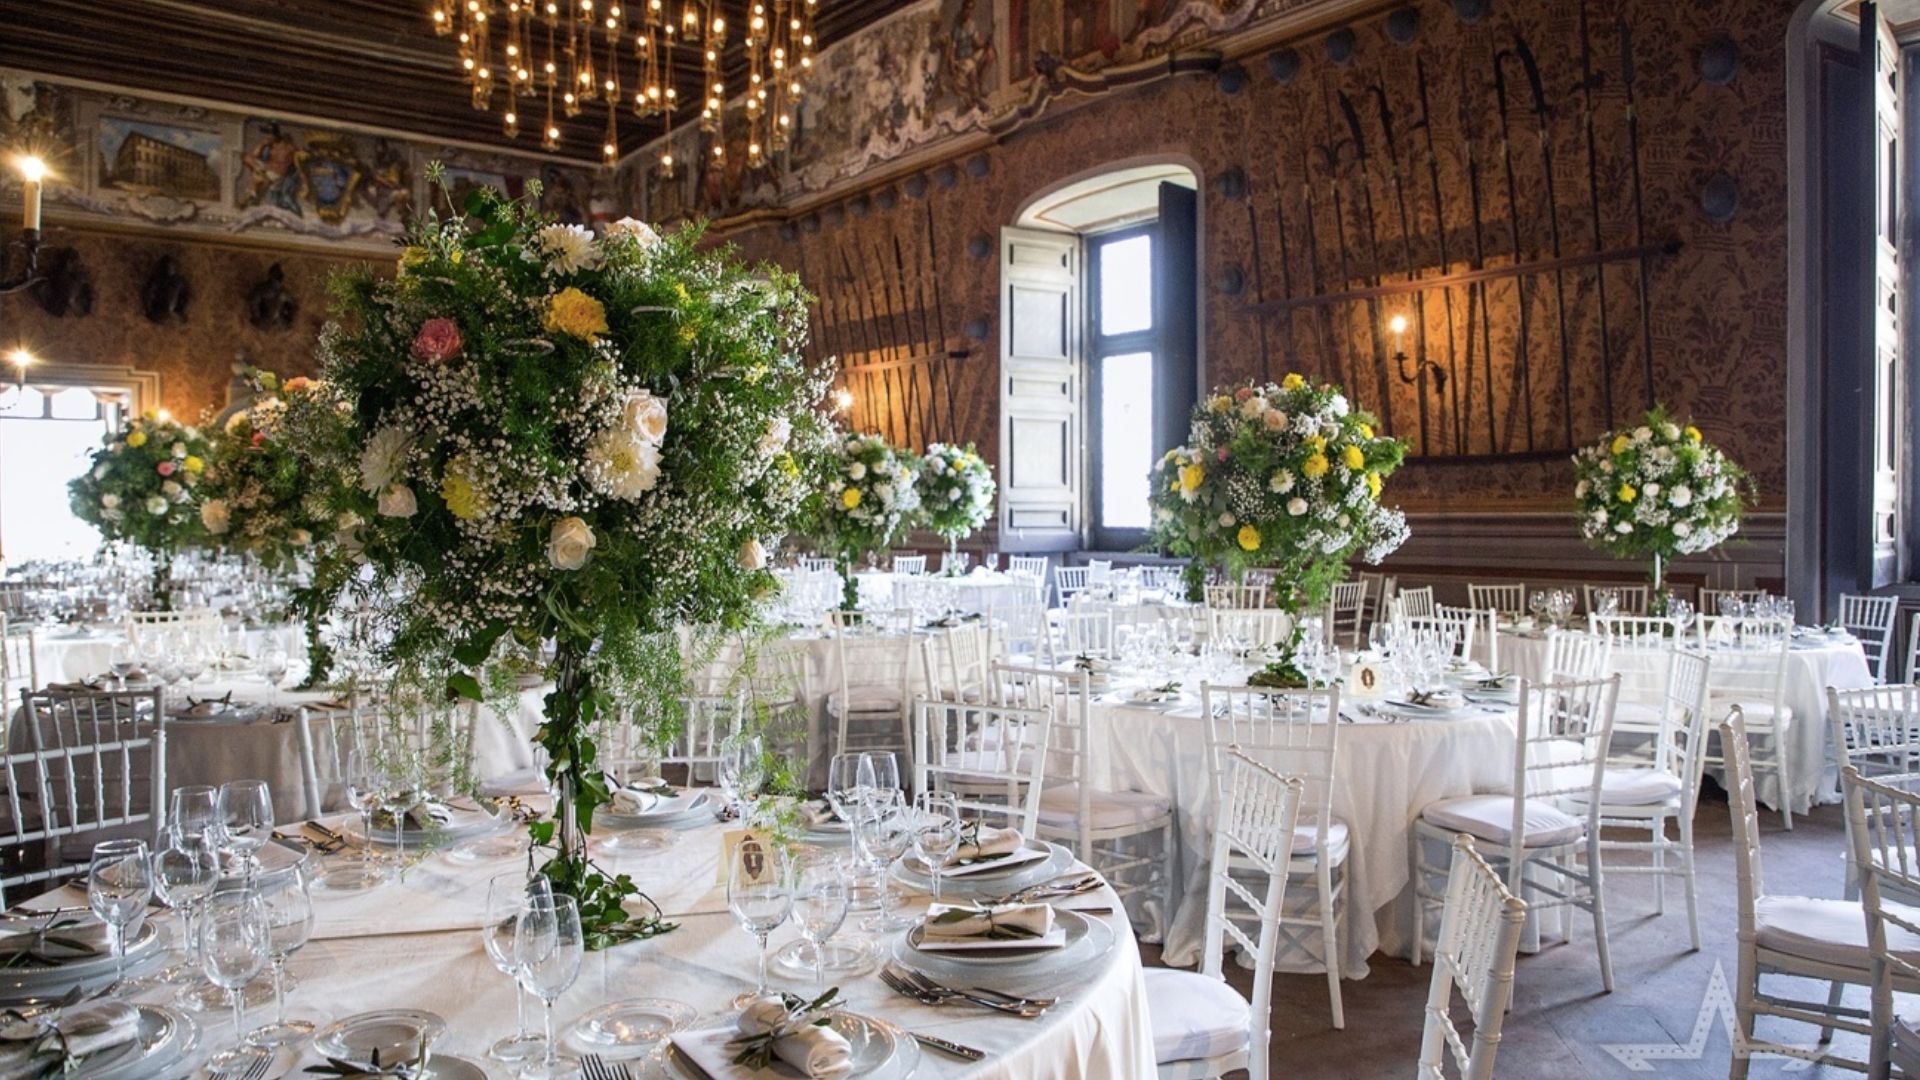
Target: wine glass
<point>246,819</point>
<point>273,668</point>
<point>760,895</point>
<point>508,896</point>
<point>194,810</point>
<point>235,942</point>
<point>185,873</point>
<point>289,908</point>
<point>193,661</point>
<point>364,781</point>
<point>884,831</point>
<point>742,767</point>
<point>547,946</point>
<point>844,790</point>
<point>879,771</point>
<point>119,884</point>
<point>124,660</point>
<point>819,905</point>
<point>403,789</point>
<point>936,835</point>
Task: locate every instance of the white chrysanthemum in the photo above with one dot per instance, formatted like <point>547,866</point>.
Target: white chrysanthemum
<point>1623,527</point>
<point>1681,496</point>
<point>383,458</point>
<point>622,464</point>
<point>1282,482</point>
<point>109,500</point>
<point>1338,405</point>
<point>857,471</point>
<point>568,248</point>
<point>1681,528</point>
<point>156,505</point>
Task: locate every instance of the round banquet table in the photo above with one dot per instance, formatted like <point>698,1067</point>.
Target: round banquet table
<point>1813,665</point>
<point>1385,773</point>
<point>974,593</point>
<point>416,944</point>
<point>63,654</point>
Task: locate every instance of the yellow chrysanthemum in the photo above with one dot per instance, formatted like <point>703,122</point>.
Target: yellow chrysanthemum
<point>1248,538</point>
<point>1693,433</point>
<point>850,498</point>
<point>1366,431</point>
<point>1373,484</point>
<point>576,314</point>
<point>1315,466</point>
<point>1620,443</point>
<point>1292,382</point>
<point>411,257</point>
<point>1192,476</point>
<point>193,464</point>
<point>1627,493</point>
<point>457,489</point>
<point>1221,403</point>
<point>136,439</point>
<point>1317,442</point>
<point>788,465</point>
<point>1353,457</point>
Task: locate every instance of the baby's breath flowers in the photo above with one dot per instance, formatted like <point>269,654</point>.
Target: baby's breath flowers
<point>1658,490</point>
<point>142,487</point>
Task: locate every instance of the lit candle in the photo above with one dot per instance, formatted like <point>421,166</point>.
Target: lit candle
<point>32,172</point>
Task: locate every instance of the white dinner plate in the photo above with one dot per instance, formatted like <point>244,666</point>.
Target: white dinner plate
<point>881,1051</point>
<point>684,807</point>
<point>1028,975</point>
<point>395,1033</point>
<point>163,1040</point>
<point>461,824</point>
<point>973,886</point>
<point>1003,953</point>
<point>39,980</point>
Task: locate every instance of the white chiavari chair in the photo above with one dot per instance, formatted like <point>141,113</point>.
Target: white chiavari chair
<point>1870,618</point>
<point>1548,857</point>
<point>327,734</point>
<point>1913,648</point>
<point>1085,631</point>
<point>1413,603</point>
<point>1068,582</point>
<point>1296,732</point>
<point>1479,938</point>
<point>956,562</point>
<point>19,662</point>
<point>94,765</point>
<point>1380,594</point>
<point>1758,686</point>
<point>1032,566</point>
<point>1236,596</point>
<point>1202,1027</point>
<point>991,757</point>
<point>1639,649</point>
<point>1461,631</point>
<point>1075,807</point>
<point>1485,635</point>
<point>1632,598</point>
<point>911,565</point>
<point>1883,821</point>
<point>814,564</point>
<point>1261,576</point>
<point>1876,731</point>
<point>1347,611</point>
<point>1020,630</point>
<point>1643,797</point>
<point>1508,598</point>
<point>954,660</point>
<point>1573,656</point>
<point>1250,628</point>
<point>1099,571</point>
<point>870,702</point>
<point>1161,579</point>
<point>193,620</point>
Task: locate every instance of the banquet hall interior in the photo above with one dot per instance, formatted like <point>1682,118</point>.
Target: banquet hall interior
<point>989,539</point>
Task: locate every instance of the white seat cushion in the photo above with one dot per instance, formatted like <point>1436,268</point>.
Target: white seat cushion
<point>1637,787</point>
<point>1490,818</point>
<point>868,699</point>
<point>1305,836</point>
<point>1830,931</point>
<point>1060,807</point>
<point>1194,1016</point>
<point>1636,715</point>
<point>1756,713</point>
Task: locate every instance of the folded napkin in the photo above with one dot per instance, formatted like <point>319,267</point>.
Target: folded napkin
<point>632,801</point>
<point>978,841</point>
<point>816,1050</point>
<point>51,939</point>
<point>817,814</point>
<point>1094,664</point>
<point>1005,922</point>
<point>1436,699</point>
<point>86,686</point>
<point>422,817</point>
<point>210,707</point>
<point>31,1048</point>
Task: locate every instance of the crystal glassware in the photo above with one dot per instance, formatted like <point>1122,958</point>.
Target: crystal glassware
<point>184,874</point>
<point>194,810</point>
<point>819,905</point>
<point>289,910</point>
<point>235,944</point>
<point>936,833</point>
<point>508,897</point>
<point>246,819</point>
<point>547,947</point>
<point>884,831</point>
<point>119,884</point>
<point>760,896</point>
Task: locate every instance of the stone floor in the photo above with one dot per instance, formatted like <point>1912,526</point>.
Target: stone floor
<point>1561,1022</point>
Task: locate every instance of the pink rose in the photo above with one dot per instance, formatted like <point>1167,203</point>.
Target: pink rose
<point>437,342</point>
<point>259,438</point>
<point>1221,453</point>
<point>165,468</point>
<point>1243,393</point>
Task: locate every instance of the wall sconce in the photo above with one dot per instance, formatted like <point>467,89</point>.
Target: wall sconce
<point>842,400</point>
<point>33,175</point>
<point>21,360</point>
<point>1426,376</point>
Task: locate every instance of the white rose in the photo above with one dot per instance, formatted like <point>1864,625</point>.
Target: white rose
<point>1580,489</point>
<point>774,439</point>
<point>570,544</point>
<point>1296,506</point>
<point>753,556</point>
<point>1623,527</point>
<point>1642,434</point>
<point>170,488</point>
<point>1226,521</point>
<point>156,505</point>
<point>397,501</point>
<point>1251,407</point>
<point>1681,496</point>
<point>109,500</point>
<point>1651,490</point>
<point>645,415</point>
<point>857,471</point>
<point>639,231</point>
<point>179,450</point>
<point>1681,528</point>
<point>1338,405</point>
<point>884,492</point>
<point>1672,431</point>
<point>214,515</point>
<point>100,471</point>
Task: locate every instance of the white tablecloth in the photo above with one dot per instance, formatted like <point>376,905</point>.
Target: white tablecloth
<point>417,945</point>
<point>1384,775</point>
<point>64,656</point>
<point>975,593</point>
<point>1811,668</point>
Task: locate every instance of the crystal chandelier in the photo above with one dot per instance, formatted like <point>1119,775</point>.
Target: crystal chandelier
<point>566,55</point>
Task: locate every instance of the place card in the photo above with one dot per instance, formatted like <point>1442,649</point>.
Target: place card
<point>1365,680</point>
<point>769,854</point>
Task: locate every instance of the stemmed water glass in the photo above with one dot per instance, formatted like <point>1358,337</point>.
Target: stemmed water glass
<point>1680,614</point>
<point>547,947</point>
<point>844,790</point>
<point>289,909</point>
<point>742,767</point>
<point>508,897</point>
<point>194,810</point>
<point>936,832</point>
<point>760,896</point>
<point>273,668</point>
<point>246,819</point>
<point>124,660</point>
<point>879,771</point>
<point>364,782</point>
<point>235,943</point>
<point>883,828</point>
<point>185,873</point>
<point>819,905</point>
<point>119,884</point>
<point>403,788</point>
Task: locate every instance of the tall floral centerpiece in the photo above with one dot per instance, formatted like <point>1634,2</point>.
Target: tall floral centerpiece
<point>1657,491</point>
<point>1285,476</point>
<point>258,496</point>
<point>141,487</point>
<point>956,492</point>
<point>567,439</point>
<point>867,500</point>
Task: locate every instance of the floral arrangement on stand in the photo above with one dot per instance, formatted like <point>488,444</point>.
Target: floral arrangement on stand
<point>1657,491</point>
<point>866,501</point>
<point>140,488</point>
<point>258,497</point>
<point>563,445</point>
<point>1287,476</point>
<point>956,492</point>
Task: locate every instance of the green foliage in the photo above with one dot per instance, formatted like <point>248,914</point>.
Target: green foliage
<point>142,486</point>
<point>1658,489</point>
<point>258,496</point>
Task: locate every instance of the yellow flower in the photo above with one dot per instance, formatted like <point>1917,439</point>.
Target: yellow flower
<point>456,255</point>
<point>1292,382</point>
<point>789,466</point>
<point>1221,403</point>
<point>411,257</point>
<point>194,465</point>
<point>1248,538</point>
<point>850,498</point>
<point>457,488</point>
<point>136,439</point>
<point>688,333</point>
<point>1620,443</point>
<point>1192,476</point>
<point>1373,483</point>
<point>1317,442</point>
<point>1693,433</point>
<point>576,314</point>
<point>1353,457</point>
<point>1627,493</point>
<point>1315,466</point>
<point>1366,431</point>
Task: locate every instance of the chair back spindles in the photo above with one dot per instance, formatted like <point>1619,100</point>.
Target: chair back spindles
<point>1509,599</point>
<point>93,761</point>
<point>1479,938</point>
<point>1870,618</point>
<point>991,757</point>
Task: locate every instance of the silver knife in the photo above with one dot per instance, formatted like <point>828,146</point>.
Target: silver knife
<point>964,1053</point>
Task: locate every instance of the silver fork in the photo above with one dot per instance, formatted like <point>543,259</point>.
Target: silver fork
<point>934,993</point>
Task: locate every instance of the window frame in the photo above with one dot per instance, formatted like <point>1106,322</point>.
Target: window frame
<point>1099,347</point>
